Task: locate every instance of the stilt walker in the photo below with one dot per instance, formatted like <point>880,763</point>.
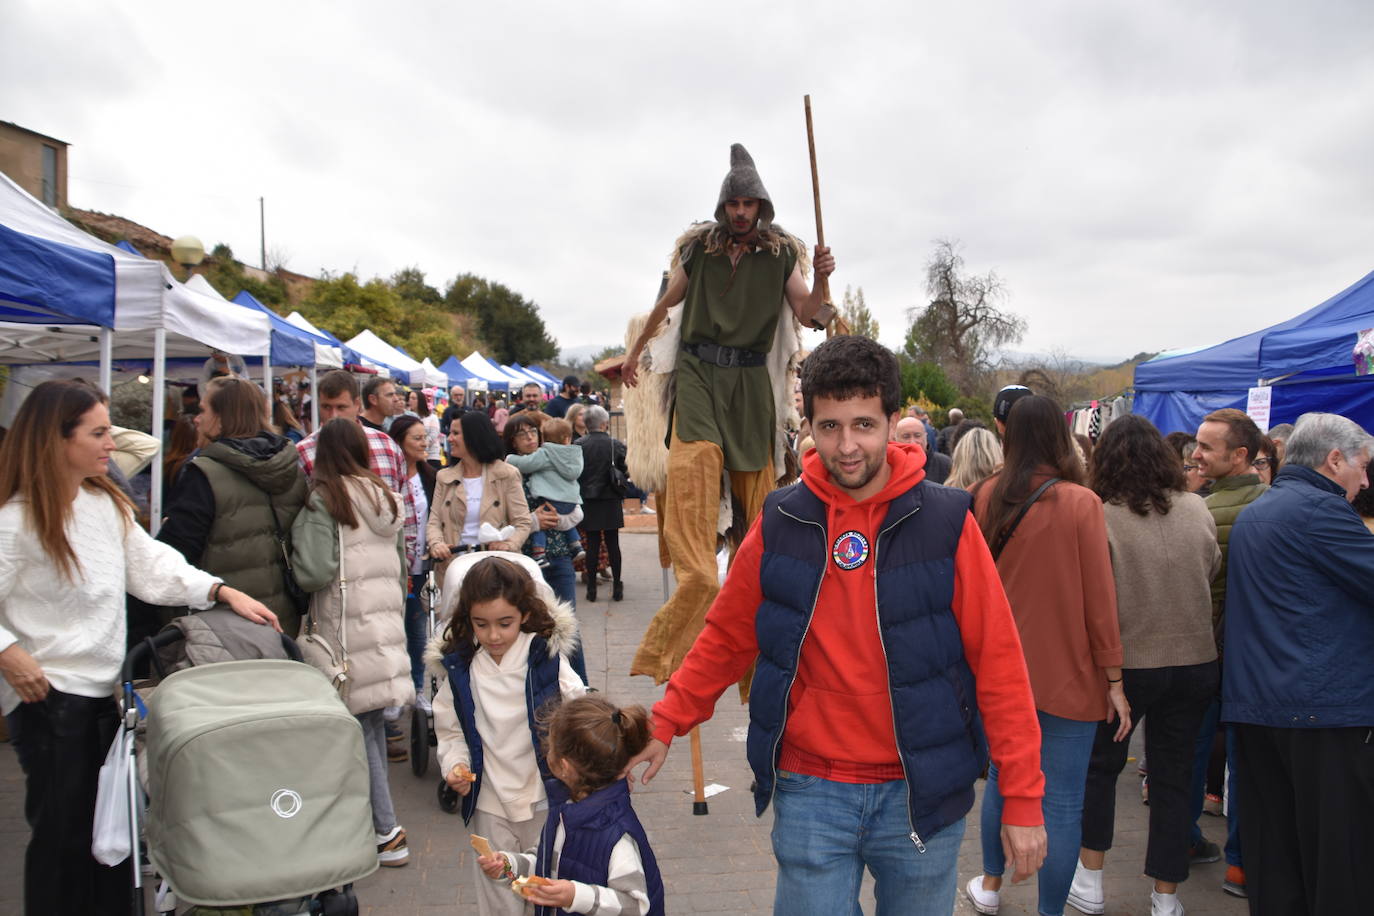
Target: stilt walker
<point>726,329</point>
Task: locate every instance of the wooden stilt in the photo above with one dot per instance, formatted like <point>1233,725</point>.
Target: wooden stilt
<point>698,774</point>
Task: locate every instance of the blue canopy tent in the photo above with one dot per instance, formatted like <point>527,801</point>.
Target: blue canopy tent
<point>457,373</point>
<point>1308,360</point>
<point>291,346</point>
<point>540,370</point>
<point>41,280</point>
<point>551,385</point>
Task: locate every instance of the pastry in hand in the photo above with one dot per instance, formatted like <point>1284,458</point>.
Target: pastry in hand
<point>524,881</point>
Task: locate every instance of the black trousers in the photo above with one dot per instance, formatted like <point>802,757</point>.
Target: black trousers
<point>1174,700</point>
<point>612,538</point>
<point>1308,830</point>
<point>61,743</point>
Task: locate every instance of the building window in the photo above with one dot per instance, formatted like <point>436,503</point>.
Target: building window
<point>49,175</point>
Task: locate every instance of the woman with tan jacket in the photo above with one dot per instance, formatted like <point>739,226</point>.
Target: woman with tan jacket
<point>481,487</point>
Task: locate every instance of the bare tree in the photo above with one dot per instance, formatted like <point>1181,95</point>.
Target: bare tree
<point>962,326</point>
<point>1059,376</point>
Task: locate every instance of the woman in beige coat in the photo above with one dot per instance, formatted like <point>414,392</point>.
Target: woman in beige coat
<point>349,550</point>
<point>481,487</point>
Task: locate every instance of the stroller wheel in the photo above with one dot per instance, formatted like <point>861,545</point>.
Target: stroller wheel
<point>419,741</point>
<point>448,798</point>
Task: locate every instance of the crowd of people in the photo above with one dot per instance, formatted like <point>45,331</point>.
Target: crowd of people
<point>327,537</point>
<point>1103,585</point>
<point>1049,598</point>
<point>999,599</point>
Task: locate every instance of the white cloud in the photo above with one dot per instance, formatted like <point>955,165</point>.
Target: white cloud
<point>1141,176</point>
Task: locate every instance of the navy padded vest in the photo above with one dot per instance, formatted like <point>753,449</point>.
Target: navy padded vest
<point>541,687</point>
<point>939,733</point>
<point>591,828</point>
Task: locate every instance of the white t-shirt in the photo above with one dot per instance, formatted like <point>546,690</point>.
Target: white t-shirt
<point>417,490</point>
<point>472,521</point>
<point>432,437</point>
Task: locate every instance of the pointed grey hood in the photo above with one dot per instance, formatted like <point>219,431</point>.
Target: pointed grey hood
<point>743,181</point>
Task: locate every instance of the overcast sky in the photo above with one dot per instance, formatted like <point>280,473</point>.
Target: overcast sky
<point>1142,176</point>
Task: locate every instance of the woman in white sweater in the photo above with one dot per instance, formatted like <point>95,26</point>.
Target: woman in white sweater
<point>70,549</point>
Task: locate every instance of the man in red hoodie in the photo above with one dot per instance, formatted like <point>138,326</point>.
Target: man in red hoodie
<point>883,646</point>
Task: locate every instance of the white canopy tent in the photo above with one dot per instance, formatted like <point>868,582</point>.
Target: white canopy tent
<point>373,347</point>
<point>434,376</point>
<point>148,300</point>
<point>477,364</point>
<point>527,375</point>
<point>155,316</point>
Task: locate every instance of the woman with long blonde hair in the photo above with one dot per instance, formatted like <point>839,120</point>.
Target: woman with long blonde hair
<point>69,551</point>
<point>977,456</point>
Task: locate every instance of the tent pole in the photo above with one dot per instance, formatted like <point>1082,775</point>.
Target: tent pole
<point>267,380</point>
<point>106,359</point>
<point>159,408</point>
<point>314,398</point>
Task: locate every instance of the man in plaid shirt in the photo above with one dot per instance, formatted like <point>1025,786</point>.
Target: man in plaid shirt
<point>338,392</point>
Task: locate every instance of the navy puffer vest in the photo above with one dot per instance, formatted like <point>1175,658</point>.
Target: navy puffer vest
<point>591,828</point>
<point>541,687</point>
<point>939,733</point>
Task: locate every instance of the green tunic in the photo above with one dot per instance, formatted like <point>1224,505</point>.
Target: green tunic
<point>732,306</point>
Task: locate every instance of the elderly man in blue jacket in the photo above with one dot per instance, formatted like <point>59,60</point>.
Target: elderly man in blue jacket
<point>1299,676</point>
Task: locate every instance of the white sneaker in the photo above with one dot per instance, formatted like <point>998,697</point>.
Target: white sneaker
<point>391,848</point>
<point>1085,894</point>
<point>646,510</point>
<point>983,900</point>
<point>391,713</point>
<point>1165,904</point>
<point>422,703</point>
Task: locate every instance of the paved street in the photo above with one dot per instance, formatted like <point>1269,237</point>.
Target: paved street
<point>719,863</point>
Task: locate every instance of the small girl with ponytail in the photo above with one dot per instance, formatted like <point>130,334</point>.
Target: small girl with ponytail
<point>593,849</point>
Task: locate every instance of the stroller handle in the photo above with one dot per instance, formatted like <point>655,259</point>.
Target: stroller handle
<point>171,636</point>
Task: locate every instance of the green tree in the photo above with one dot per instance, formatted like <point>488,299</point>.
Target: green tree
<point>227,276</point>
<point>404,311</point>
<point>347,307</point>
<point>962,326</point>
<point>508,324</point>
<point>856,314</point>
<point>926,380</point>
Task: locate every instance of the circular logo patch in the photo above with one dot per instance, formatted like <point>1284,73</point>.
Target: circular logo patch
<point>286,803</point>
<point>850,550</point>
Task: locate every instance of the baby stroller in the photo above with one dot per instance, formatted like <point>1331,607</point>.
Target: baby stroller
<point>422,736</point>
<point>256,776</point>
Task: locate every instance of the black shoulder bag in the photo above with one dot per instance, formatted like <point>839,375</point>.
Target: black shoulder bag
<point>299,597</point>
<point>1005,534</point>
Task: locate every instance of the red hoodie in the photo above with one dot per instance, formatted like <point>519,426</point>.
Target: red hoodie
<point>839,722</point>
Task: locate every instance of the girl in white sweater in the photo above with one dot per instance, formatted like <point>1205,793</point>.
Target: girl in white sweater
<point>501,660</point>
<point>70,549</point>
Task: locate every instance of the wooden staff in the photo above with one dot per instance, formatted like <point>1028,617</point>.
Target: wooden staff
<point>699,805</point>
<point>838,325</point>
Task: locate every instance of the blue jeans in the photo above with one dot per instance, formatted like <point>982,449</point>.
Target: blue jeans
<point>825,833</point>
<point>1210,724</point>
<point>1066,746</point>
<point>417,631</point>
<point>562,579</point>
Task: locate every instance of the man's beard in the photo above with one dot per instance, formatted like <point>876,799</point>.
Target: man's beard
<point>745,237</point>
